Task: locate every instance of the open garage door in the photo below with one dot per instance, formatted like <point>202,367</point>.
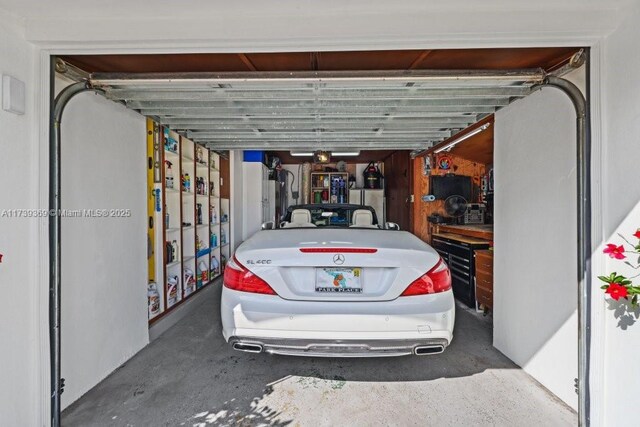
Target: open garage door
<point>325,110</point>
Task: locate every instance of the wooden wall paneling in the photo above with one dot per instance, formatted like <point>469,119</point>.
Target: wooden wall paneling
<point>420,188</point>
<point>225,178</point>
<point>547,58</point>
<point>422,209</point>
<point>365,156</point>
<point>398,188</point>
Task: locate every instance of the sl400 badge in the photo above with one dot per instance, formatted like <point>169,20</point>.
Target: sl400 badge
<point>259,261</point>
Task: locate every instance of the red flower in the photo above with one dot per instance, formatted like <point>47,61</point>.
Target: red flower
<point>617,291</point>
<point>637,233</point>
<point>614,251</point>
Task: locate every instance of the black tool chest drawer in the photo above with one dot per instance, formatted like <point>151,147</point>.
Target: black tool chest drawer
<point>459,256</point>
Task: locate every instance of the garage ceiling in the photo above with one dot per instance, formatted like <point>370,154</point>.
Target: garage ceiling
<point>321,101</point>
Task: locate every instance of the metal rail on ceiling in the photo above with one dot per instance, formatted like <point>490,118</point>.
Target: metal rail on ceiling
<point>344,109</point>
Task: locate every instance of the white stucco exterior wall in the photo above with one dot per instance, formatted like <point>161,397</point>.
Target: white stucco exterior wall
<point>408,25</point>
<point>621,201</point>
<point>104,261</point>
<point>535,284</point>
<point>19,330</point>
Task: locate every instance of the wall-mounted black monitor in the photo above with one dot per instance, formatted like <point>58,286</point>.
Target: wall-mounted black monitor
<point>451,185</point>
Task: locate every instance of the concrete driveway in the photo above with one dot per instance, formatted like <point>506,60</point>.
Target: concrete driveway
<point>189,376</point>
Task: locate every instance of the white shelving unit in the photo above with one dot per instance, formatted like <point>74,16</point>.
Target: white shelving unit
<point>225,229</point>
<point>202,217</point>
<point>172,214</point>
<point>188,251</point>
<point>215,264</point>
<point>188,179</point>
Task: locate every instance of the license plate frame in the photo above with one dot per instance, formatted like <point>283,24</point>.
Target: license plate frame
<point>338,280</point>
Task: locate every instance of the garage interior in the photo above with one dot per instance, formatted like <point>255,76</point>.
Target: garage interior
<point>245,135</point>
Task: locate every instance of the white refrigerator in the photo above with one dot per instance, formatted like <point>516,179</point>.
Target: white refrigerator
<point>368,197</point>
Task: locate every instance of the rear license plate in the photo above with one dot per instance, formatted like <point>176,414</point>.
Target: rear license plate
<point>339,280</point>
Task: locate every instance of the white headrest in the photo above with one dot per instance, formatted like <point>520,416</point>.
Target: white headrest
<point>301,216</point>
<point>362,218</point>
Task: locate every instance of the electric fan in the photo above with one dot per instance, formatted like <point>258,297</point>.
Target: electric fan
<point>455,206</point>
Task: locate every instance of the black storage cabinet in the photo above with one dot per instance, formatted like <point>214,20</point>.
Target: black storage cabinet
<point>459,256</point>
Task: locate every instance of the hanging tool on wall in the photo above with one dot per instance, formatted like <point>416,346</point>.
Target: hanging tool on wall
<point>426,165</point>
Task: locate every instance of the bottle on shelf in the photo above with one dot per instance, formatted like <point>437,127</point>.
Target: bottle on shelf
<point>172,289</point>
<point>199,213</point>
<point>170,144</point>
<point>153,297</point>
<point>168,252</point>
<point>223,237</point>
<point>186,183</point>
<point>342,191</point>
<point>189,281</point>
<point>203,273</point>
<point>168,174</point>
<point>215,266</point>
<point>214,240</point>
<point>166,217</point>
<point>214,215</point>
<point>174,251</point>
<point>334,191</point>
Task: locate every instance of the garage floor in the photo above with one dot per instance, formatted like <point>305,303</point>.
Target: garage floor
<point>189,376</point>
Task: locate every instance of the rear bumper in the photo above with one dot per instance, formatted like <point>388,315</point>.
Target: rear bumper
<point>339,348</point>
<point>337,329</point>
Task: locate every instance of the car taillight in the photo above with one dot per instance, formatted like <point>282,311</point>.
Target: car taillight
<point>238,278</point>
<point>436,280</point>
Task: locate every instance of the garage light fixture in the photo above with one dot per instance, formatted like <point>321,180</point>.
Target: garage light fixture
<point>321,157</point>
<point>457,141</point>
<point>345,153</point>
<point>333,153</point>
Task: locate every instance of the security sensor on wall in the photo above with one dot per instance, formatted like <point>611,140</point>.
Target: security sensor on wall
<point>13,95</point>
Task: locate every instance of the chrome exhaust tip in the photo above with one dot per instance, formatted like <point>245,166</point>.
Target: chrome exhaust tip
<point>247,347</point>
<point>426,350</point>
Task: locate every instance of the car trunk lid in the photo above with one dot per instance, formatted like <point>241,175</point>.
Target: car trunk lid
<point>337,264</point>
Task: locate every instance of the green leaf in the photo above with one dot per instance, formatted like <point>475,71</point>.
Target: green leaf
<point>604,287</point>
<point>604,278</point>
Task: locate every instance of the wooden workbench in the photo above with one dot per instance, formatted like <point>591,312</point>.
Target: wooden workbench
<point>479,231</point>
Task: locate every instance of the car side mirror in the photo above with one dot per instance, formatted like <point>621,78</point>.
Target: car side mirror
<point>269,225</point>
<point>391,226</point>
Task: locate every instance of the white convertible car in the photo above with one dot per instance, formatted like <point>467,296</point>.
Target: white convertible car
<point>330,282</point>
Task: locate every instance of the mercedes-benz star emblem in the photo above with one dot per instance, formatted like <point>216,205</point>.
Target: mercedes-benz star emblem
<point>338,259</point>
